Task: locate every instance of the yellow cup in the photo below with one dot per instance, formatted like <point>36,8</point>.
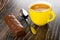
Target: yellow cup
<point>41,13</point>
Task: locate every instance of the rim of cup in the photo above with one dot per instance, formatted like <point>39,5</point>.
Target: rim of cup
<point>40,2</point>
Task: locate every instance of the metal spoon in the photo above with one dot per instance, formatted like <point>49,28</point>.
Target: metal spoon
<point>25,16</point>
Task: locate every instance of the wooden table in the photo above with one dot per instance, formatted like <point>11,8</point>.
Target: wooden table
<point>46,32</point>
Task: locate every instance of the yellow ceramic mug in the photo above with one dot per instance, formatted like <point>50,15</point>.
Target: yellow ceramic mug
<point>41,13</point>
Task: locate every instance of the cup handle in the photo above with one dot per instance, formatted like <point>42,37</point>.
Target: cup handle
<point>33,30</point>
<point>53,16</point>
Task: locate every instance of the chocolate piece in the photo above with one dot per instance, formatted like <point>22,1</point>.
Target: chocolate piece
<point>15,26</point>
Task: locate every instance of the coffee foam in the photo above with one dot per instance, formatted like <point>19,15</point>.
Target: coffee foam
<point>40,7</point>
<point>40,2</point>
